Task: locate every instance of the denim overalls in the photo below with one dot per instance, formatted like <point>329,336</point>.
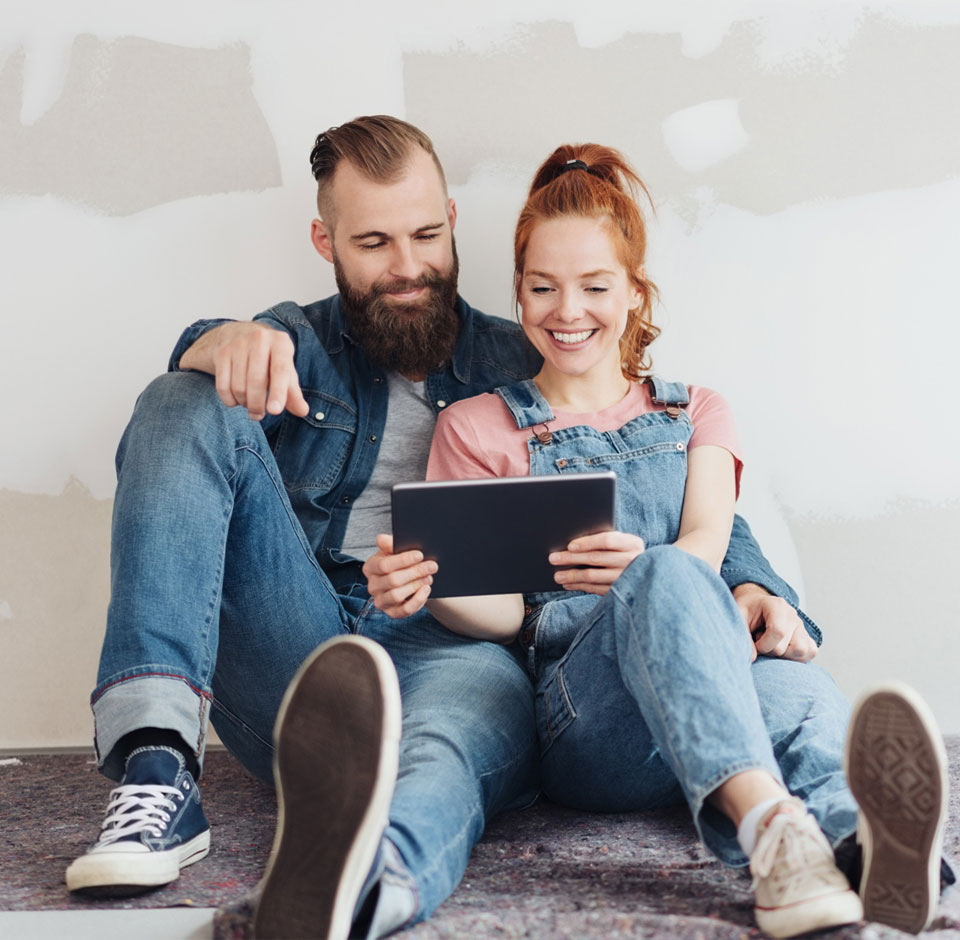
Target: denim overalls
<point>647,695</point>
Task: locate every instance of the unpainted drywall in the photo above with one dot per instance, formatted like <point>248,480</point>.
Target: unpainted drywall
<point>54,585</point>
<point>880,115</point>
<point>139,123</point>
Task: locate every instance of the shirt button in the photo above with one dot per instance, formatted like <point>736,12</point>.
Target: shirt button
<point>377,380</point>
<point>345,500</point>
<point>679,445</point>
<point>441,404</point>
<point>373,438</point>
<point>319,416</point>
<point>561,463</point>
<point>525,637</point>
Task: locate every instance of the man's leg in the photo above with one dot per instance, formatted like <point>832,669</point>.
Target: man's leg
<point>216,599</point>
<point>468,751</point>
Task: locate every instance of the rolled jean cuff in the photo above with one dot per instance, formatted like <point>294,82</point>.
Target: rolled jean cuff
<point>717,831</point>
<point>158,698</point>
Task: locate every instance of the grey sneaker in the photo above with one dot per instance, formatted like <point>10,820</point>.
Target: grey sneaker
<point>896,767</point>
<point>798,886</point>
<point>337,741</point>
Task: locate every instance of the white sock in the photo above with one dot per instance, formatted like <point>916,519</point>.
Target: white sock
<point>747,830</point>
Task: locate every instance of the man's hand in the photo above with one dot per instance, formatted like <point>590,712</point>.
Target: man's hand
<point>398,584</point>
<point>776,628</point>
<point>248,360</point>
<point>607,554</point>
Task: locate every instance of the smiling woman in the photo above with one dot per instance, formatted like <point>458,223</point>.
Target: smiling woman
<point>651,688</point>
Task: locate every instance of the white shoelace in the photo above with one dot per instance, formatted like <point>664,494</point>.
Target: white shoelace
<point>137,808</point>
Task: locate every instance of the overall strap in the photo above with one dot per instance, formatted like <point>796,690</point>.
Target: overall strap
<point>673,395</point>
<point>527,406</point>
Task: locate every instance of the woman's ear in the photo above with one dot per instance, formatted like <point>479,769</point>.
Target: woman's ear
<point>639,293</point>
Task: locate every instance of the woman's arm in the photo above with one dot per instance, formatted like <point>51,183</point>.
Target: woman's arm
<point>708,503</point>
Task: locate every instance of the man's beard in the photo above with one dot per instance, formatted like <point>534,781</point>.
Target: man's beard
<point>410,338</point>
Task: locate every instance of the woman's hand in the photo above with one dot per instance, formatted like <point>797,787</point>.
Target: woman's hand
<point>398,584</point>
<point>606,554</point>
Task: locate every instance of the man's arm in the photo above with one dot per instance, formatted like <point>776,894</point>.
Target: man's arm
<point>252,364</point>
<point>767,602</point>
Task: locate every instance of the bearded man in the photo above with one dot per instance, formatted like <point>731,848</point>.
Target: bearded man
<point>238,548</point>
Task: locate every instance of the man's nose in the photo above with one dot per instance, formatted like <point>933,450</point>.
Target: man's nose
<point>404,263</point>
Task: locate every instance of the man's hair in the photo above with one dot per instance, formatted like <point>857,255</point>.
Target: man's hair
<point>378,146</point>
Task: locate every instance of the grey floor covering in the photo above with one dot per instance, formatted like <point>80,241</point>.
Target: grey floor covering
<point>546,872</point>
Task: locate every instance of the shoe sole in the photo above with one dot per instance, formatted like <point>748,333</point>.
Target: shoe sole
<point>337,741</point>
<point>120,874</point>
<point>832,910</point>
<point>896,766</point>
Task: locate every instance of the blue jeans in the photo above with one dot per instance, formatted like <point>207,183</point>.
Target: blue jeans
<point>217,598</point>
<point>652,699</point>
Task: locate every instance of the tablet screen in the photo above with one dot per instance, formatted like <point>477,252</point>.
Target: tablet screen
<point>493,536</point>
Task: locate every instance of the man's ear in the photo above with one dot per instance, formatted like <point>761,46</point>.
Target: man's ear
<point>322,239</point>
<point>451,212</point>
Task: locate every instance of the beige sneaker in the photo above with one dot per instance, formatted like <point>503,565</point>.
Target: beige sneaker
<point>798,886</point>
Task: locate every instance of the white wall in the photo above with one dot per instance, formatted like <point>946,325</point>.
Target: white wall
<point>803,157</point>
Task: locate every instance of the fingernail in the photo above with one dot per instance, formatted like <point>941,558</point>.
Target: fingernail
<point>552,557</point>
<point>559,577</point>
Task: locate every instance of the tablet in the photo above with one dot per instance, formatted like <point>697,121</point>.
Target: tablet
<point>493,536</point>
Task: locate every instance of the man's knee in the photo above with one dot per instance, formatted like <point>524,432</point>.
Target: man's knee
<point>182,408</point>
<point>178,395</point>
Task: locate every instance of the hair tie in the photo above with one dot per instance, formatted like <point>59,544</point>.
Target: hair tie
<point>574,165</point>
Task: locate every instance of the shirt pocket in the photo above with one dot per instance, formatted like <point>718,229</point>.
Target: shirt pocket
<point>312,451</point>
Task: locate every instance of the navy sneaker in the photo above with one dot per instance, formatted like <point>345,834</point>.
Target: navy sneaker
<point>896,767</point>
<point>154,827</point>
<point>337,739</point>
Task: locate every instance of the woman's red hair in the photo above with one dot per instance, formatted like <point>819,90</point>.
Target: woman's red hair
<point>607,188</point>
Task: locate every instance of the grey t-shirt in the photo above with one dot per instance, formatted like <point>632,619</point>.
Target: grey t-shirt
<point>404,450</point>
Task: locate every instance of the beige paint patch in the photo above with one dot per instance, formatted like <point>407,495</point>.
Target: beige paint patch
<point>139,123</point>
<point>883,115</point>
<point>54,574</point>
<point>883,591</point>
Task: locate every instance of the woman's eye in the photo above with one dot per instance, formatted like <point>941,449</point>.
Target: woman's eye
<point>597,290</point>
<point>539,290</point>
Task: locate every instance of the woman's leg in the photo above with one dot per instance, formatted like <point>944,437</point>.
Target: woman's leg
<point>655,700</point>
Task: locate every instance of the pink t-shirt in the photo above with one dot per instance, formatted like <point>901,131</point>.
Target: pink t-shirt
<point>477,437</point>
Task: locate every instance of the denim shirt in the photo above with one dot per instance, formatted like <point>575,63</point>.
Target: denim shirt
<point>326,458</point>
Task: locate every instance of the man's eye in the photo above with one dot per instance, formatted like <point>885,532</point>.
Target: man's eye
<point>428,236</point>
<point>372,246</point>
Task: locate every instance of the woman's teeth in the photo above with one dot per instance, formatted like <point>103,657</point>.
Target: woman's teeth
<point>571,338</point>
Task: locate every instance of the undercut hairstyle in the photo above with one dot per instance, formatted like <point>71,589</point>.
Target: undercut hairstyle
<point>378,146</point>
<point>596,182</point>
